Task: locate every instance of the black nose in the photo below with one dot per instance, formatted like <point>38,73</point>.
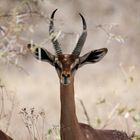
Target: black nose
<point>65,75</point>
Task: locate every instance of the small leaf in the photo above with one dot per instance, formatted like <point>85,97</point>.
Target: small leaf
<point>132,110</point>
<point>98,121</point>
<point>49,131</point>
<point>101,101</point>
<point>131,79</point>
<point>136,118</point>
<point>121,110</point>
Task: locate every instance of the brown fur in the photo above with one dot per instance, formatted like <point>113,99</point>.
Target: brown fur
<point>103,134</point>
<point>4,136</point>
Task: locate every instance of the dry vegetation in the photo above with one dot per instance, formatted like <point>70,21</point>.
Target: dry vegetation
<point>30,110</point>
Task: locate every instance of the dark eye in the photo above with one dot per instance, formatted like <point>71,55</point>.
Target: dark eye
<point>74,69</point>
<point>75,65</point>
<point>58,65</point>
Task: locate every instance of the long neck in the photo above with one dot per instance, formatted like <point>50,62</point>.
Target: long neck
<point>70,129</point>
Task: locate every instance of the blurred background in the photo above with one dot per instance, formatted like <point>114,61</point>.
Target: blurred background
<point>109,90</point>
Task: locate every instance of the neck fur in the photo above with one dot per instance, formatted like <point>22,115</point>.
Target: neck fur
<point>70,128</point>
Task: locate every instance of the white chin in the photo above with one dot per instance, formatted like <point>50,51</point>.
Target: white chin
<point>65,82</point>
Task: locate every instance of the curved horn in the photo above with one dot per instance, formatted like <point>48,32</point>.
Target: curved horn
<point>53,36</point>
<point>82,38</point>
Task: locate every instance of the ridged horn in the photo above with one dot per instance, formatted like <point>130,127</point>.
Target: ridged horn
<point>82,38</point>
<point>56,44</point>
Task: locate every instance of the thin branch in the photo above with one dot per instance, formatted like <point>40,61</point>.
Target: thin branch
<point>11,113</point>
<point>110,115</point>
<point>85,111</point>
<point>24,13</point>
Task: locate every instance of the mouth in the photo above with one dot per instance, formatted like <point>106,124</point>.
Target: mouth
<point>65,81</point>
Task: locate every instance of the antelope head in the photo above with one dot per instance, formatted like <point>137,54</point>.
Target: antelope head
<point>67,64</point>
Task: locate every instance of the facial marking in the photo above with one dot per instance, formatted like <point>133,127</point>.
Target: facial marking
<point>65,74</point>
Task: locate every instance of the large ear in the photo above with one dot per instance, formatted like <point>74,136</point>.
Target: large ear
<point>93,56</point>
<point>43,55</point>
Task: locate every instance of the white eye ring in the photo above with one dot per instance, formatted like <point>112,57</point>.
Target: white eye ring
<point>56,61</point>
<point>75,63</point>
<point>59,64</point>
